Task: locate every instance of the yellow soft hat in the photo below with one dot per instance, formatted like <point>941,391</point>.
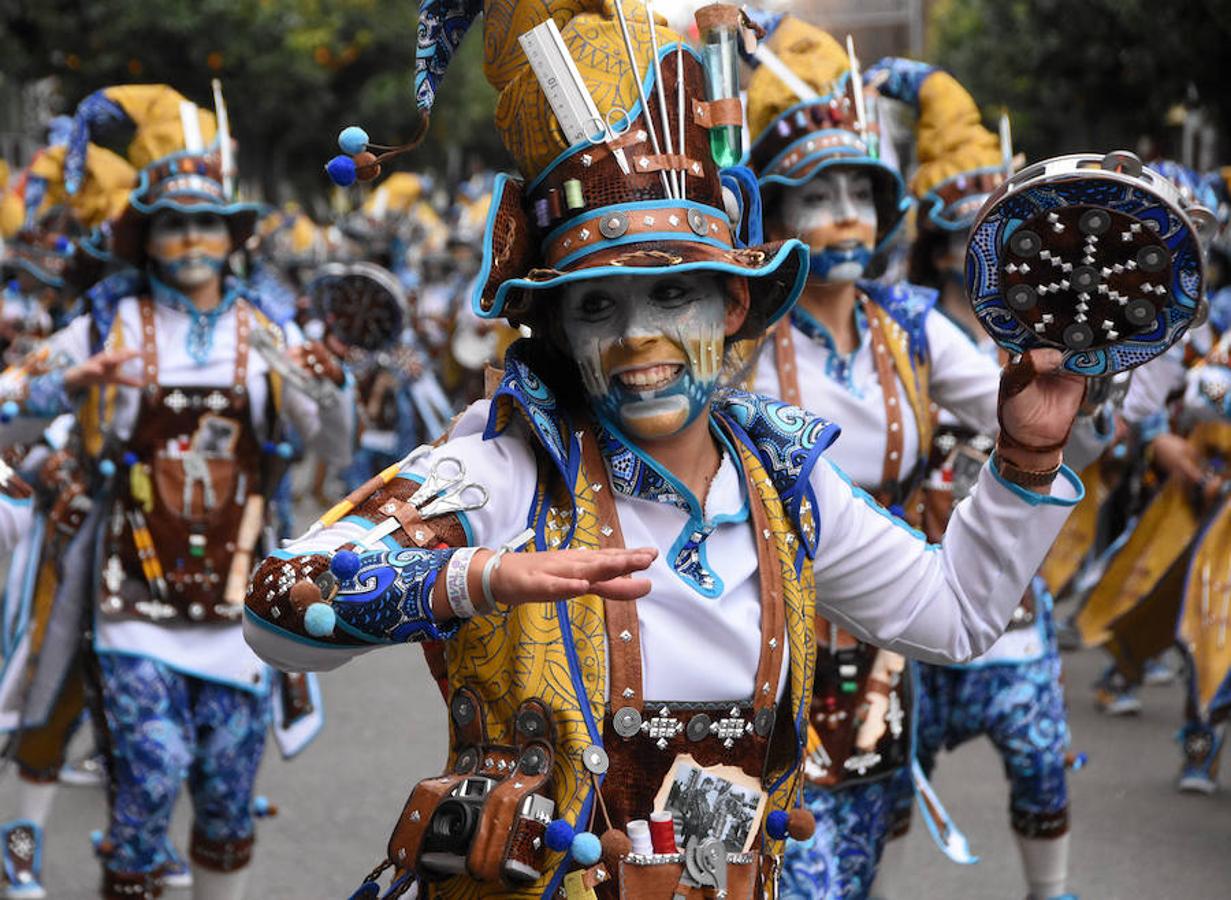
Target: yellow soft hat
<point>809,52</point>
<point>103,194</point>
<point>397,194</point>
<point>523,116</point>
<point>959,161</point>
<point>794,139</point>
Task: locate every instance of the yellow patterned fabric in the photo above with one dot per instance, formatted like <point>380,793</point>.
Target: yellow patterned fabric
<point>103,194</point>
<point>1206,615</point>
<point>912,372</point>
<point>155,111</point>
<point>520,654</point>
<point>524,119</point>
<point>809,52</point>
<point>950,137</point>
<point>1163,534</point>
<point>1079,532</point>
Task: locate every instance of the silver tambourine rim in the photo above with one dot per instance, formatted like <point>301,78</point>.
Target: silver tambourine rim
<point>1081,166</point>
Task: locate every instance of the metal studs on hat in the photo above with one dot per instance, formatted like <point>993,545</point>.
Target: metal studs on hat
<point>696,221</point>
<point>463,709</point>
<point>613,225</point>
<point>594,758</point>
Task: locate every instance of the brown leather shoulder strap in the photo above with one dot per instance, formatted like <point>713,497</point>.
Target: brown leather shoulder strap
<point>773,603</point>
<point>784,362</point>
<point>149,344</point>
<point>243,325</point>
<point>895,440</point>
<point>623,631</point>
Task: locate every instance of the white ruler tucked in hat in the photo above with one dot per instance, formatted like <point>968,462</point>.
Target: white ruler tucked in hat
<point>565,89</point>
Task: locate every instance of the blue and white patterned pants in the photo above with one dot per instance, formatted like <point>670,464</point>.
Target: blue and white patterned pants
<point>839,861</point>
<point>1020,707</point>
<point>164,727</point>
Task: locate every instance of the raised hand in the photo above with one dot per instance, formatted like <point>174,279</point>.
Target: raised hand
<point>1038,403</point>
<point>102,368</point>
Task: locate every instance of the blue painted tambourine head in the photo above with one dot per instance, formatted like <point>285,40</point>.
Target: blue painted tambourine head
<point>1103,265</point>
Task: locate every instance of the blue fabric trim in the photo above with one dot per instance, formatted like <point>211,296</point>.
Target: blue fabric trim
<point>647,237</point>
<point>788,248</point>
<point>839,367</point>
<point>870,501</point>
<point>789,441</point>
<point>1034,499</point>
<point>908,305</point>
<point>743,183</point>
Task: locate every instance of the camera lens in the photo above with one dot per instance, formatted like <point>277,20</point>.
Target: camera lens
<point>454,823</point>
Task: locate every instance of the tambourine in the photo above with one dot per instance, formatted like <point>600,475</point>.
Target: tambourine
<point>1097,256</point>
<point>362,304</point>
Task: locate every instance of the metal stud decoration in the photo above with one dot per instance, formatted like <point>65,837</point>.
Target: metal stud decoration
<point>1099,257</point>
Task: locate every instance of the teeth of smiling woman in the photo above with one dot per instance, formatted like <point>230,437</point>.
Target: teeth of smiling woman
<point>651,377</point>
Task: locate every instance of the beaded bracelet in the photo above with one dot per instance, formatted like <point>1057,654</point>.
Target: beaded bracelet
<point>457,583</point>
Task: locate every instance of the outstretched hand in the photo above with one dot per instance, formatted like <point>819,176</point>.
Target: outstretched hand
<point>560,574</point>
<point>1038,403</point>
<point>102,368</point>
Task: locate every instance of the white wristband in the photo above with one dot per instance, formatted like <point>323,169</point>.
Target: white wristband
<point>457,583</point>
<point>493,563</point>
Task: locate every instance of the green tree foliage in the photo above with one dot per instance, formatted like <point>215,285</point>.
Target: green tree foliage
<point>294,72</point>
<point>1088,74</point>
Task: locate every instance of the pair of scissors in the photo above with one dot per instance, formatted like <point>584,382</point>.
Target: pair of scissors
<point>443,491</point>
<point>607,132</point>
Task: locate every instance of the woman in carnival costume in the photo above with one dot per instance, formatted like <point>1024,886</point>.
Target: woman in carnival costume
<point>1012,693</point>
<point>649,654</point>
<point>42,691</point>
<point>875,357</point>
<point>1161,586</point>
<point>182,414</point>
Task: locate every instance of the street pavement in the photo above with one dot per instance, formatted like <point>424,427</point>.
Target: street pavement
<point>1134,837</point>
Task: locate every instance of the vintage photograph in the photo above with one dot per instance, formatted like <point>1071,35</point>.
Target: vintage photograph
<point>715,801</point>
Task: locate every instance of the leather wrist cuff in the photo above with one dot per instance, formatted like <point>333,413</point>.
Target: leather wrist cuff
<point>1027,478</point>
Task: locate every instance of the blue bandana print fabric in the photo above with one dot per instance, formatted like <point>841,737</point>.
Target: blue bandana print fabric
<point>165,727</point>
<point>839,861</point>
<point>1020,708</point>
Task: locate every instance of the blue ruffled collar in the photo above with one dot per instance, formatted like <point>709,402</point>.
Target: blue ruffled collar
<point>201,330</point>
<point>636,474</point>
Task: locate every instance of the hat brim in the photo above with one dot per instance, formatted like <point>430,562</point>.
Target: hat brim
<point>129,230</point>
<point>888,189</point>
<point>509,279</point>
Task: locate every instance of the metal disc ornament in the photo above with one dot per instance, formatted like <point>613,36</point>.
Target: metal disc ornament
<point>1097,256</point>
<point>362,304</point>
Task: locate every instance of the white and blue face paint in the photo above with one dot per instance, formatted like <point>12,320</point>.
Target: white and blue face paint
<point>188,249</point>
<point>835,214</point>
<point>649,348</point>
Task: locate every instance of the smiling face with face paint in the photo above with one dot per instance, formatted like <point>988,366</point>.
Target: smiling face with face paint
<point>189,249</point>
<point>649,348</point>
<point>835,214</point>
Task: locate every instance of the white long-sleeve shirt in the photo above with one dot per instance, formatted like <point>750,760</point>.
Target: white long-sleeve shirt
<point>961,380</point>
<point>874,576</point>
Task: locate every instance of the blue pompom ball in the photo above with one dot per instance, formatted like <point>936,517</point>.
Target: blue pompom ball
<point>341,171</point>
<point>96,839</point>
<point>14,285</point>
<point>776,824</point>
<point>106,468</point>
<point>559,835</point>
<point>352,140</point>
<point>129,458</point>
<point>9,410</point>
<point>1080,761</point>
<point>586,848</point>
<point>269,447</point>
<point>284,450</point>
<point>319,620</point>
<point>260,805</point>
<point>345,564</point>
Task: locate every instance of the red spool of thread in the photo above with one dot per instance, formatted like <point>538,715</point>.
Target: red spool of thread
<point>662,832</point>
